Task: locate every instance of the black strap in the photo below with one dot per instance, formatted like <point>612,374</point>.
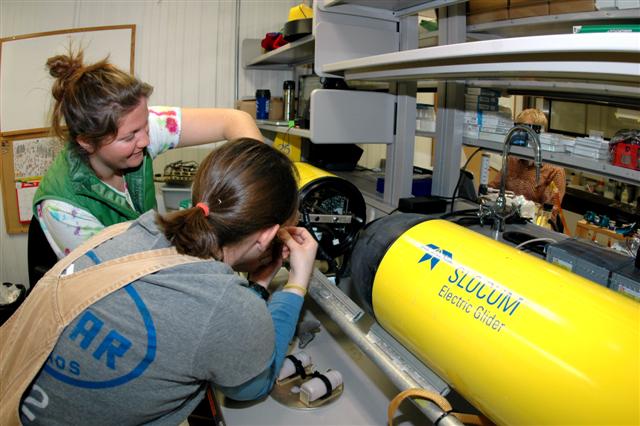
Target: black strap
<point>326,382</point>
<point>298,365</point>
<point>442,416</point>
<point>258,289</point>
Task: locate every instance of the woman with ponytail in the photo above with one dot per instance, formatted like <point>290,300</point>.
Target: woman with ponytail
<point>147,352</point>
<point>104,175</point>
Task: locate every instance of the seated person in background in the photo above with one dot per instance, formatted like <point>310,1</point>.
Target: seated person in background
<point>522,173</point>
<point>104,174</point>
<point>208,327</point>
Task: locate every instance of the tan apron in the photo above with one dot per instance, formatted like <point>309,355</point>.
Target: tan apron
<point>28,337</point>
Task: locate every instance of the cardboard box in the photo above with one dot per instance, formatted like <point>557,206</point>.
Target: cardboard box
<point>276,107</point>
<point>557,7</point>
<point>480,11</point>
<point>492,16</point>
<point>479,6</point>
<point>527,8</point>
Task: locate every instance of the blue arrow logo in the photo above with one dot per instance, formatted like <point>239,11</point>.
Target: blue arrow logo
<point>435,254</point>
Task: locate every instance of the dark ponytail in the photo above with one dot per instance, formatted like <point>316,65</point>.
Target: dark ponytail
<point>246,186</point>
<point>191,232</point>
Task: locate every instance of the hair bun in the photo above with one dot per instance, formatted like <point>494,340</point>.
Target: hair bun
<point>63,66</point>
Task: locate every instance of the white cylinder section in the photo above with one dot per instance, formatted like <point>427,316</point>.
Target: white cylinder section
<point>316,388</point>
<point>288,367</point>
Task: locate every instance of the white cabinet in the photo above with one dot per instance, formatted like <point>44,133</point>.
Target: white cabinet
<point>343,36</point>
<point>344,116</point>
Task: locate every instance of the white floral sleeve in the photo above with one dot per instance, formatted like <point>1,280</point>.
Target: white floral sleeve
<point>165,125</point>
<point>66,226</point>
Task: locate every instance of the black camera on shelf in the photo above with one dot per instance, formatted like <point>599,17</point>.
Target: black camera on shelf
<point>521,138</point>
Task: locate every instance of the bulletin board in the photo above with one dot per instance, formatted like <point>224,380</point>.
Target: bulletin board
<point>25,102</point>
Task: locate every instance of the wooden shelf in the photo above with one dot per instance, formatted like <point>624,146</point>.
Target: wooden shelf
<point>589,231</point>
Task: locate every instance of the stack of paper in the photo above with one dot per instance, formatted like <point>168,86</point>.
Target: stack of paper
<point>555,142</point>
<point>592,147</point>
<point>481,99</point>
<point>487,124</point>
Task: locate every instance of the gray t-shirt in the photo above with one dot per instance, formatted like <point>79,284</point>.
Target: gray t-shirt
<point>154,343</point>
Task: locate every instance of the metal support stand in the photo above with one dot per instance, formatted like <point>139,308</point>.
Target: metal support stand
<point>402,368</point>
<point>452,29</point>
<point>399,163</point>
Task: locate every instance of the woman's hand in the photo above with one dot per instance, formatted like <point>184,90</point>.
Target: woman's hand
<point>300,248</point>
<point>270,263</point>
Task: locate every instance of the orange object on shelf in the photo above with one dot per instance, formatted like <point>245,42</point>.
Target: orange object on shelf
<point>591,232</point>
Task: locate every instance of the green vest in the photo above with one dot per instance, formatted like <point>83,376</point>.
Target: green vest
<point>71,179</point>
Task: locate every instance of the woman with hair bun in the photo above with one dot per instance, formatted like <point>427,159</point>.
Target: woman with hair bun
<point>147,352</point>
<point>104,175</point>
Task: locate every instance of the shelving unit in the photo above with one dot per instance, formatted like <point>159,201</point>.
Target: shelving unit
<point>426,134</point>
<point>537,25</point>
<point>286,57</point>
<point>566,89</point>
<point>552,24</point>
<point>604,65</point>
<point>366,115</point>
<point>613,58</point>
<point>398,7</point>
<point>428,39</point>
<point>564,159</point>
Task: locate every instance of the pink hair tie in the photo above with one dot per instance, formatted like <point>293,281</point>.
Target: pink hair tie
<point>204,207</point>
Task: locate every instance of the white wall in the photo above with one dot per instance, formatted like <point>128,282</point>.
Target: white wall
<point>257,18</point>
<point>185,49</point>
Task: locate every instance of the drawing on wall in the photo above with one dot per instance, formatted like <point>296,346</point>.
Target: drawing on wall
<point>32,157</point>
<point>25,192</point>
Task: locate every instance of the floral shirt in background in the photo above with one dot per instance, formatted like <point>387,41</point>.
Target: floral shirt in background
<point>67,226</point>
